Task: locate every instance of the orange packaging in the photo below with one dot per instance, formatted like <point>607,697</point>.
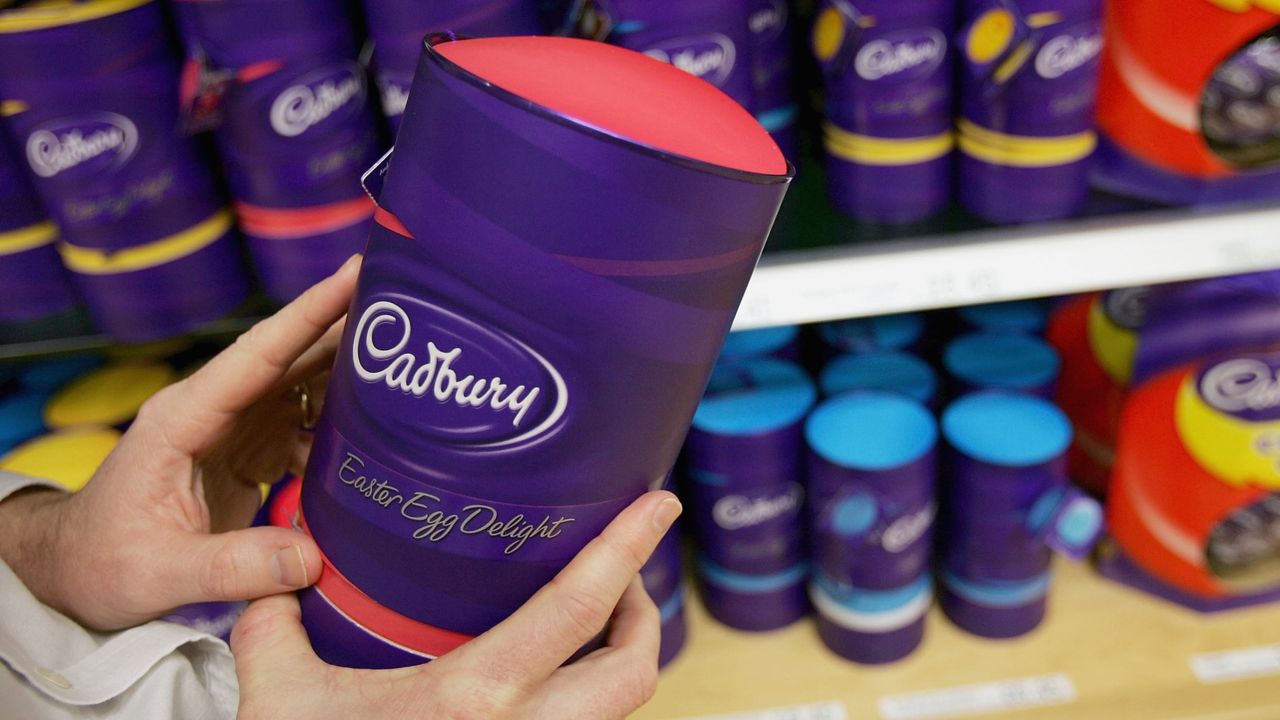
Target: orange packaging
<point>1185,105</point>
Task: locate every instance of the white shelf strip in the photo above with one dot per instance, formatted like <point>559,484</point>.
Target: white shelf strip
<point>1008,264</point>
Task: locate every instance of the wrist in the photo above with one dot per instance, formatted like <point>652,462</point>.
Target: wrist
<point>30,522</point>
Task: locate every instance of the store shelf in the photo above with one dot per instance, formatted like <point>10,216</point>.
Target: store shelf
<point>942,269</point>
<point>1127,656</point>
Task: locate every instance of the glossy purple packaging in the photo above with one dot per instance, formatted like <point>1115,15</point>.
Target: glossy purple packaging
<point>398,26</point>
<point>91,97</point>
<point>872,468</point>
<point>740,46</point>
<point>213,618</point>
<point>888,111</point>
<point>1204,318</point>
<point>1027,95</point>
<point>745,458</point>
<point>297,129</point>
<point>1006,505</point>
<point>538,311</point>
<point>34,284</point>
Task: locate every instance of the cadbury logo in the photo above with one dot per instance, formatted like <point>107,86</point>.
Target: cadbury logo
<point>395,97</point>
<point>712,64</point>
<point>439,373</point>
<point>885,57</point>
<point>1241,384</point>
<point>735,511</point>
<point>1065,53</point>
<point>1127,307</point>
<point>301,107</point>
<point>907,529</point>
<point>49,152</point>
<point>767,18</point>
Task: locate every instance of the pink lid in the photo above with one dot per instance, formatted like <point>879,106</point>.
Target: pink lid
<point>623,93</point>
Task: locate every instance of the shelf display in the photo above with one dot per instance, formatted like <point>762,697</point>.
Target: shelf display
<point>296,128</point>
<point>91,96</point>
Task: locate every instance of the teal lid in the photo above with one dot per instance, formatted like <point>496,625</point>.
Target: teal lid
<point>1024,316</point>
<point>880,370</point>
<point>755,343</point>
<point>49,375</point>
<point>871,430</point>
<point>886,332</point>
<point>21,418</point>
<point>1002,360</point>
<point>1004,428</point>
<point>754,396</point>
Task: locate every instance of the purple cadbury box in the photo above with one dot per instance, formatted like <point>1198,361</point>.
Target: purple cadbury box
<point>887,66</point>
<point>1006,507</point>
<point>1027,96</point>
<point>92,92</point>
<point>745,457</point>
<point>872,468</point>
<point>297,129</point>
<point>527,366</point>
<point>740,46</point>
<point>398,26</point>
<point>31,275</point>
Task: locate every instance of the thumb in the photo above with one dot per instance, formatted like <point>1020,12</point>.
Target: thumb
<point>244,565</point>
<point>269,640</point>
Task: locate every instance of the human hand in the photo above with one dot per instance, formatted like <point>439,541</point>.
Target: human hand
<point>512,671</point>
<point>162,522</point>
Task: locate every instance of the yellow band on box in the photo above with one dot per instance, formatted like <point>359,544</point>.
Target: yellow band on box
<point>12,107</point>
<point>108,396</point>
<point>1115,347</point>
<point>89,261</point>
<point>55,13</point>
<point>27,238</point>
<point>1024,150</point>
<point>1239,453</point>
<point>870,150</point>
<point>828,34</point>
<point>69,457</point>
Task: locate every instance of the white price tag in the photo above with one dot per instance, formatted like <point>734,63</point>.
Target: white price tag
<point>1237,664</point>
<point>980,699</point>
<point>819,711</point>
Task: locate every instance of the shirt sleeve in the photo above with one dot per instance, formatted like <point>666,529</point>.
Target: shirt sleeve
<point>51,667</point>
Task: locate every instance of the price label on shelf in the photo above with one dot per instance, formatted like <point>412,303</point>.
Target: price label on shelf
<point>981,699</point>
<point>1238,664</point>
<point>819,711</point>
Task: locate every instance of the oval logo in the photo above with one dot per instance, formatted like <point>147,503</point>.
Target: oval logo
<point>736,511</point>
<point>1247,387</point>
<point>1067,52</point>
<point>317,97</point>
<point>1127,307</point>
<point>453,379</point>
<point>904,531</point>
<point>97,142</point>
<point>769,20</point>
<point>918,52</point>
<point>710,57</point>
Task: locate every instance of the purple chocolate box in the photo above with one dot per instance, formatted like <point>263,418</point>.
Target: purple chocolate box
<point>93,95</point>
<point>546,288</point>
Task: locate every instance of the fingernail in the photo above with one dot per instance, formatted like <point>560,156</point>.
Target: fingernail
<point>288,567</point>
<point>666,513</point>
<point>350,263</point>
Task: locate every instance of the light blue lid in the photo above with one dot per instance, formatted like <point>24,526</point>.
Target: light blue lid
<point>1024,316</point>
<point>1002,360</point>
<point>1004,428</point>
<point>21,418</point>
<point>49,375</point>
<point>755,343</point>
<point>871,430</point>
<point>754,396</point>
<point>886,332</point>
<point>880,370</point>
